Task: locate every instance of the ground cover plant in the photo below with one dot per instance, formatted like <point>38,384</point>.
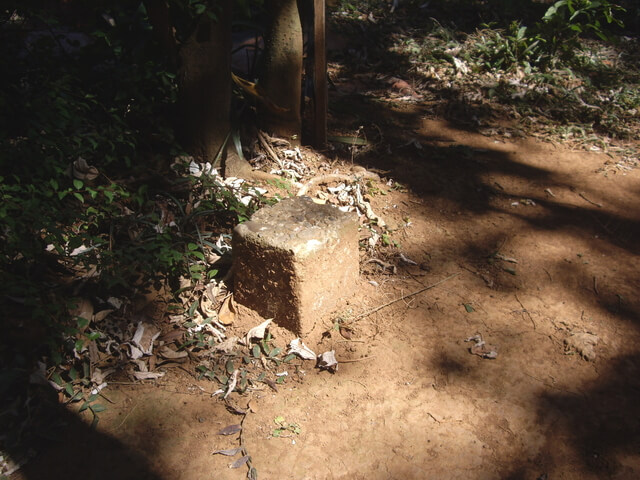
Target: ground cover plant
<point>554,75</point>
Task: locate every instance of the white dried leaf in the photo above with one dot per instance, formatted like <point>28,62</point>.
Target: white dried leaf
<point>227,346</point>
<point>460,65</point>
<point>327,361</point>
<point>142,365</point>
<point>298,347</point>
<point>407,260</point>
<point>145,335</point>
<point>99,388</point>
<point>98,377</point>
<point>83,171</point>
<point>170,354</point>
<point>338,189</point>
<point>134,352</point>
<point>148,375</point>
<point>481,348</point>
<point>257,332</point>
<point>79,251</point>
<point>213,331</point>
<point>102,314</point>
<point>115,302</point>
<point>232,383</point>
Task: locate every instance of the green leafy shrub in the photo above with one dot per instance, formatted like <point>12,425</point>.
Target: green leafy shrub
<point>566,20</point>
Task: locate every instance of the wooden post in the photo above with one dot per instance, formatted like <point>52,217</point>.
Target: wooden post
<point>320,93</point>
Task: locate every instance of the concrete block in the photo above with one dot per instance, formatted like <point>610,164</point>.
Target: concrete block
<point>296,261</point>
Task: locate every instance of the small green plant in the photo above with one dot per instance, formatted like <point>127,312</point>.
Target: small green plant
<point>285,429</point>
<point>498,49</point>
<point>77,388</point>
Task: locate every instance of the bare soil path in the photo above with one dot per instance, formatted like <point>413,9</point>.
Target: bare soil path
<point>545,246</point>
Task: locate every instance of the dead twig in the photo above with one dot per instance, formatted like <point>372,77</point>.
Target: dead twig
<point>403,297</point>
<point>383,264</point>
<point>524,310</point>
<point>353,360</point>
<point>265,144</point>
<point>582,195</point>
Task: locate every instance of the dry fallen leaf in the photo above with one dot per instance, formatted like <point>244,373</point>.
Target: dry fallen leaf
<point>82,308</point>
<point>227,312</point>
<point>298,347</point>
<point>257,332</point>
<point>232,383</point>
<point>583,343</point>
<point>229,453</point>
<point>83,171</point>
<point>100,376</point>
<point>227,346</point>
<point>170,354</point>
<point>240,462</point>
<point>145,335</point>
<point>148,375</point>
<point>230,429</point>
<point>481,348</point>
<point>327,361</point>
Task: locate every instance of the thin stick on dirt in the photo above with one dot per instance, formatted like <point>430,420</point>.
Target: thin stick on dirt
<point>353,360</point>
<point>524,310</point>
<point>403,297</point>
<point>582,195</point>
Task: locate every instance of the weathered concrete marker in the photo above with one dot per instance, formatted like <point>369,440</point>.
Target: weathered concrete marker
<point>296,261</point>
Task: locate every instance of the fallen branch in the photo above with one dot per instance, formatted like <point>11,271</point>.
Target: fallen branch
<point>265,144</point>
<point>403,297</point>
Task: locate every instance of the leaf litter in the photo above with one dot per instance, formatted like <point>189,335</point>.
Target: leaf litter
<point>481,348</point>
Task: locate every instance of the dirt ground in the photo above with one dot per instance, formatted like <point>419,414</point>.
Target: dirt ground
<point>537,249</point>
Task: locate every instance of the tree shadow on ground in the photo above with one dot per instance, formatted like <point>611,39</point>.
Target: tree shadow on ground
<point>600,423</point>
<point>40,426</point>
<point>457,174</point>
<point>57,444</point>
<point>605,421</point>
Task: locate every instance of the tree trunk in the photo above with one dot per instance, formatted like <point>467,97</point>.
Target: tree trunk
<point>204,86</point>
<point>203,123</point>
<point>281,75</point>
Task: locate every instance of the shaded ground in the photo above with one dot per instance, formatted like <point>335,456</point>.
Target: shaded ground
<point>414,403</point>
<point>544,245</point>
